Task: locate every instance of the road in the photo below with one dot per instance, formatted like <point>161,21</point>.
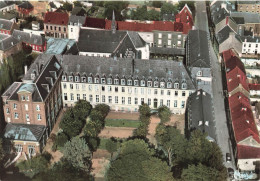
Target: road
<point>201,22</point>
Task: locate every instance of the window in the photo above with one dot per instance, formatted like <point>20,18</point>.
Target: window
<point>103,98</point>
<point>184,86</point>
<point>116,89</point>
<point>15,106</point>
<point>97,98</point>
<point>129,82</point>
<point>26,107</point>
<point>116,81</point>
<point>96,88</point>
<point>64,78</point>
<point>64,86</point>
<point>71,30</point>
<point>176,93</point>
<point>22,98</point>
<point>175,103</point>
<point>159,35</point>
<point>123,89</point>
<point>249,45</point>
<point>7,110</point>
<point>168,93</point>
<point>84,96</point>
<point>155,83</point>
<point>142,83</point>
<point>39,117</point>
<point>161,102</point>
<point>31,149</point>
<point>109,88</point>
<point>89,79</point>
<point>182,104</point>
<point>159,42</point>
<point>64,28</point>
<point>78,97</point>
<point>109,81</point>
<point>90,87</point>
<point>136,101</point>
<point>155,91</point>
<point>96,80</point>
<point>162,92</point>
<point>27,117</point>
<point>179,36</point>
<point>16,116</point>
<point>37,107</point>
<point>71,86</point>
<point>116,99</point>
<point>136,90</point>
<point>90,98</point>
<point>169,36</point>
<point>51,27</point>
<point>77,86</point>
<point>162,84</point>
<point>129,90</point>
<point>103,88</point>
<point>83,79</point>
<point>169,42</point>
<point>169,85</point>
<point>129,100</point>
<point>103,80</point>
<point>71,78</point>
<point>76,78</point>
<point>176,85</point>
<point>183,93</point>
<point>83,86</point>
<point>199,73</point>
<point>149,101</point>
<point>168,103</point>
<point>149,83</point>
<point>123,100</point>
<point>72,97</point>
<point>122,81</point>
<point>109,99</point>
<point>65,96</point>
<point>47,27</point>
<point>59,28</point>
<point>179,43</point>
<point>142,100</point>
<point>135,82</point>
<point>27,98</point>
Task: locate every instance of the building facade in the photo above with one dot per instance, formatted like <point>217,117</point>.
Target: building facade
<point>25,9</point>
<point>7,26</point>
<point>250,46</point>
<point>75,22</point>
<point>124,84</point>
<point>168,39</point>
<point>248,6</point>
<point>56,24</point>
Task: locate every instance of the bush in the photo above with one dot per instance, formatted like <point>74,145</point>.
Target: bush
<point>103,108</point>
<point>60,140</point>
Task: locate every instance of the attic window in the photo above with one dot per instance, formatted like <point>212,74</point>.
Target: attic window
<point>200,123</point>
<point>57,65</point>
<point>247,121</point>
<point>207,123</point>
<point>19,37</point>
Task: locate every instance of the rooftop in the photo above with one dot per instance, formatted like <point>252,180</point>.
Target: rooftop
<point>58,46</point>
<point>57,18</point>
<point>28,37</point>
<point>6,24</point>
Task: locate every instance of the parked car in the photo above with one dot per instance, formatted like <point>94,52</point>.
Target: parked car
<point>228,157</point>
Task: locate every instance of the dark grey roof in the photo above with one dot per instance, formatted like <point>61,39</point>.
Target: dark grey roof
<point>26,5</point>
<point>77,19</point>
<point>143,69</point>
<point>8,15</point>
<point>198,49</point>
<point>6,24</point>
<point>7,42</point>
<point>248,2</point>
<point>200,112</point>
<point>248,17</point>
<point>219,15</point>
<point>104,41</point>
<point>24,132</point>
<point>28,37</point>
<point>12,88</point>
<point>2,4</point>
<point>78,11</point>
<point>167,51</point>
<point>223,34</point>
<point>168,17</point>
<point>239,20</point>
<point>255,39</point>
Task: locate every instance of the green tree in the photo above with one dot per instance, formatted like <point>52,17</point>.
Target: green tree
<point>140,13</point>
<point>157,4</point>
<point>67,6</point>
<point>93,143</point>
<point>103,109</point>
<point>60,140</point>
<point>145,113</point>
<point>164,114</point>
<point>82,110</point>
<point>168,8</point>
<point>145,110</point>
<point>77,4</point>
<point>111,146</point>
<point>34,165</point>
<point>153,15</point>
<point>116,6</point>
<point>77,153</point>
<point>1,159</point>
<point>172,142</point>
<point>190,4</point>
<point>200,173</point>
<point>92,129</point>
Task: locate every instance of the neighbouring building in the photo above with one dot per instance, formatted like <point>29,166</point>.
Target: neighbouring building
<point>254,90</point>
<point>6,6</point>
<point>35,101</point>
<point>7,26</point>
<point>75,22</point>
<point>198,60</point>
<point>57,46</point>
<point>124,84</point>
<point>36,42</point>
<point>233,41</point>
<point>12,15</point>
<point>200,114</point>
<point>78,11</point>
<point>248,6</point>
<point>168,39</point>
<point>25,9</point>
<point>56,24</point>
<point>39,8</point>
<point>250,46</point>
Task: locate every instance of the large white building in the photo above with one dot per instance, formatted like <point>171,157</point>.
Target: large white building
<point>124,84</point>
<point>251,45</point>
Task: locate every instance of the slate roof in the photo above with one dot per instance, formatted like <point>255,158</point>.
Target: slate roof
<point>218,16</point>
<point>248,17</point>
<point>58,18</point>
<point>223,34</point>
<point>6,24</point>
<point>7,41</point>
<point>77,19</point>
<point>28,38</point>
<point>105,41</point>
<point>2,4</point>
<point>239,20</point>
<point>247,2</point>
<point>255,39</point>
<point>147,69</point>
<point>24,132</point>
<point>78,11</point>
<point>59,46</point>
<point>198,50</point>
<point>247,152</point>
<point>43,68</point>
<point>8,15</point>
<point>167,51</point>
<point>200,112</point>
<point>26,5</point>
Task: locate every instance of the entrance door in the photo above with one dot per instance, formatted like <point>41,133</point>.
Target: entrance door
<point>155,103</point>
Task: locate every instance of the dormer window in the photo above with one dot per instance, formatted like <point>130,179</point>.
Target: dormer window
<point>122,81</point>
<point>71,78</point>
<point>149,83</point>
<point>129,82</point>
<point>199,73</point>
<point>162,84</point>
<point>169,85</point>
<point>103,80</point>
<point>156,84</point>
<point>142,83</point>
<point>135,82</point>
<point>76,78</point>
<point>33,75</point>
<point>116,81</point>
<point>176,85</point>
<point>64,78</point>
<point>109,81</point>
<point>89,79</point>
<point>83,79</point>
<point>96,80</point>
<point>184,86</point>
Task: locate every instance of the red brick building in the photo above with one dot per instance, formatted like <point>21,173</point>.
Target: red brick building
<point>7,26</point>
<point>25,9</point>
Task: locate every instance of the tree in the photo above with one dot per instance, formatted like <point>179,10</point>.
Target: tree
<point>82,110</point>
<point>200,173</point>
<point>191,5</point>
<point>103,109</point>
<point>93,143</point>
<point>145,113</point>
<point>77,153</point>
<point>34,165</point>
<point>153,15</point>
<point>164,114</point>
<point>92,129</point>
<point>168,8</point>
<point>111,146</point>
<point>157,4</point>
<point>77,4</point>
<point>1,159</point>
<point>116,6</point>
<point>172,142</point>
<point>67,6</point>
<point>60,140</point>
<point>145,110</point>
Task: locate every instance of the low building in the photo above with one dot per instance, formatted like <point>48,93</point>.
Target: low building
<point>75,22</point>
<point>229,40</point>
<point>7,26</point>
<point>6,6</point>
<point>56,24</point>
<point>250,46</point>
<point>61,46</point>
<point>248,6</point>
<point>12,15</point>
<point>35,42</point>
<point>168,39</point>
<point>254,90</point>
<point>200,114</point>
<point>124,84</point>
<point>25,9</point>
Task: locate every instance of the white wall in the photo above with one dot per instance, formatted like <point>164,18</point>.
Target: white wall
<point>95,54</point>
<point>145,52</point>
<point>147,37</point>
<point>251,47</point>
<point>246,164</point>
<point>73,32</point>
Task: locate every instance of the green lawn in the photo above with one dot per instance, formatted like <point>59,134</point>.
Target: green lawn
<point>122,123</point>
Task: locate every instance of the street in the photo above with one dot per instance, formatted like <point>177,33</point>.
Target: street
<point>201,22</point>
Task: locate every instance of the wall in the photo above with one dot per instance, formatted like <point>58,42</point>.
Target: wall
<point>95,54</point>
<point>147,37</point>
<point>75,32</point>
<point>49,30</point>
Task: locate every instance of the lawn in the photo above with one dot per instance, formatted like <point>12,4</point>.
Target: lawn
<point>122,123</point>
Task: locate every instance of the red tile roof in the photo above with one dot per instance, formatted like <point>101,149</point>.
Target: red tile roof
<point>56,18</point>
<point>239,100</point>
<point>231,60</point>
<point>95,23</point>
<point>247,152</point>
<point>236,77</point>
<point>254,86</point>
<point>185,17</point>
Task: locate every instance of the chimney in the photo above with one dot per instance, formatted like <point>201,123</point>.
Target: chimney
<point>37,68</point>
<point>133,66</point>
<point>30,34</point>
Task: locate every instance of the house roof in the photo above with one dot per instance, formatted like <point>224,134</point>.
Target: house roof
<point>24,132</point>
<point>254,86</point>
<point>248,17</point>
<point>7,41</point>
<point>8,15</point>
<point>239,20</point>
<point>201,113</point>
<point>219,14</point>
<point>28,37</point>
<point>26,5</point>
<point>255,39</point>
<point>236,77</point>
<point>198,49</point>
<point>167,51</point>
<point>185,17</point>
<point>247,2</point>
<point>223,34</point>
<point>77,19</point>
<point>232,60</point>
<point>78,11</point>
<point>56,46</point>
<point>95,22</point>
<point>6,24</point>
<point>247,152</point>
<point>239,100</point>
<point>126,67</point>
<point>58,18</point>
